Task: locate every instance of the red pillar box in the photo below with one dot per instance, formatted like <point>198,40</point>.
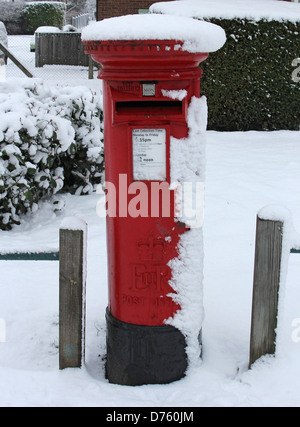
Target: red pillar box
<point>154,157</point>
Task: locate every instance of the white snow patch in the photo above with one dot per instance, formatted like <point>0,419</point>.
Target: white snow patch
<point>187,282</point>
<point>251,9</point>
<point>47,29</point>
<point>275,213</point>
<point>187,166</point>
<point>73,223</point>
<point>284,215</point>
<point>175,94</point>
<point>198,36</point>
<point>188,154</point>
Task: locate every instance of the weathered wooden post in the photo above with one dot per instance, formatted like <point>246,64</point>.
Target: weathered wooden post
<point>72,281</point>
<point>267,274</point>
<point>91,68</point>
<point>37,50</point>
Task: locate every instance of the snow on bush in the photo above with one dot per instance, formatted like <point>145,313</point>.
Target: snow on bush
<point>43,13</point>
<point>50,139</point>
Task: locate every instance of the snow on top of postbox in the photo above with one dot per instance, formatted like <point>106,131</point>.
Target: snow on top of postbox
<point>197,36</point>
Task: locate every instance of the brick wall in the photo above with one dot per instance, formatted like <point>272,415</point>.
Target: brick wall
<point>109,8</point>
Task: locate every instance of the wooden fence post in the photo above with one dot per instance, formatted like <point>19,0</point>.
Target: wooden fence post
<point>72,281</point>
<point>91,68</point>
<point>37,50</point>
<point>267,269</point>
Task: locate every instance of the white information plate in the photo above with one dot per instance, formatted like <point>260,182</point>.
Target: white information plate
<point>148,89</point>
<point>149,154</point>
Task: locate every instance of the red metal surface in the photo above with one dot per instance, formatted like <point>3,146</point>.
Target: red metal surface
<point>139,249</point>
<point>126,60</point>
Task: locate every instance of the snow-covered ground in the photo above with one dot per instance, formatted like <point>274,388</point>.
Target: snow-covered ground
<point>245,171</point>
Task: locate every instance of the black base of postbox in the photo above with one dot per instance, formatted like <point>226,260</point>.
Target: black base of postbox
<point>138,354</point>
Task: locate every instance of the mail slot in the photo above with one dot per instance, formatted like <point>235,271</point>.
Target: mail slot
<point>148,108</point>
<point>148,86</point>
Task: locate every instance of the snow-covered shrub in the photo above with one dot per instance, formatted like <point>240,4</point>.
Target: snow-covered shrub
<point>50,139</point>
<point>43,13</point>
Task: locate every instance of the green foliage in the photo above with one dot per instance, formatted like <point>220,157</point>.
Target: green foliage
<point>249,82</point>
<point>51,140</point>
<point>38,14</point>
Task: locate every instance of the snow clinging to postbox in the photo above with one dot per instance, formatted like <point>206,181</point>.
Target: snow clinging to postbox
<point>154,137</point>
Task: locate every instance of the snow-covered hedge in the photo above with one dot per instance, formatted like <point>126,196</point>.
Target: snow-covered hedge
<point>249,82</point>
<point>43,13</point>
<point>50,139</point>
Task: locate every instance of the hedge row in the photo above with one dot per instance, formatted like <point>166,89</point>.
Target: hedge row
<point>37,14</point>
<point>249,82</point>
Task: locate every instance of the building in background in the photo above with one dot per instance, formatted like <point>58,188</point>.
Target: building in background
<point>110,8</point>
